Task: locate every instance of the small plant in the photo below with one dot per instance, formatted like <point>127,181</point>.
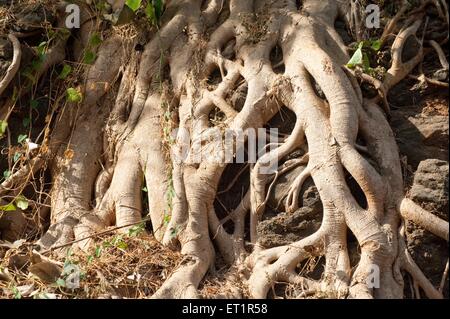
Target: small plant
<point>66,70</point>
<point>89,54</point>
<point>22,202</point>
<point>365,51</point>
<point>153,10</point>
<point>136,230</point>
<point>71,274</point>
<point>16,293</point>
<point>74,95</point>
<point>19,202</point>
<point>21,138</point>
<point>133,4</point>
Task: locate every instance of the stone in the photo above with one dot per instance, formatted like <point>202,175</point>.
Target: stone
<point>277,229</point>
<point>430,186</point>
<point>421,136</point>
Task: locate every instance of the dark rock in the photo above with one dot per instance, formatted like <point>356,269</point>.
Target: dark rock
<point>12,225</point>
<point>285,228</point>
<point>420,137</point>
<point>430,187</point>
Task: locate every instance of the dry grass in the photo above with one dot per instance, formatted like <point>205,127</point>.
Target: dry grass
<point>118,266</point>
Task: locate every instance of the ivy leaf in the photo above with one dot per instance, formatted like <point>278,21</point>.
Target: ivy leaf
<point>67,69</point>
<point>357,58</point>
<point>22,202</point>
<point>89,57</point>
<point>73,95</point>
<point>133,4</point>
<point>17,157</point>
<point>376,45</point>
<point>3,127</point>
<point>21,138</point>
<point>95,40</point>
<point>8,208</point>
<point>6,174</point>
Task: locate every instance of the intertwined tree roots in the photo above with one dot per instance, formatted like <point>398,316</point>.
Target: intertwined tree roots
<point>136,93</point>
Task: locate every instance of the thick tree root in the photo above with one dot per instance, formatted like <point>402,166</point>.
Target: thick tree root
<point>135,99</point>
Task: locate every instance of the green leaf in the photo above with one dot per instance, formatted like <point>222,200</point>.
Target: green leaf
<point>376,45</point>
<point>26,122</point>
<point>136,230</point>
<point>151,14</point>
<point>95,40</point>
<point>73,95</point>
<point>8,208</point>
<point>159,6</point>
<point>89,57</point>
<point>133,4</point>
<point>122,245</point>
<point>98,251</point>
<point>61,282</point>
<point>167,218</point>
<point>67,69</point>
<point>6,174</point>
<point>3,127</point>
<point>22,202</point>
<point>17,157</point>
<point>144,189</point>
<point>34,104</point>
<point>16,292</point>
<point>356,59</point>
<point>21,138</point>
<point>42,48</point>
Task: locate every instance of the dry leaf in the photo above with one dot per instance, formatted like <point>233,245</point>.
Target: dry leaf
<point>46,271</point>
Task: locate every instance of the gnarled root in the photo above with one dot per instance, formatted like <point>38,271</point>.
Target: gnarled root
<point>207,81</point>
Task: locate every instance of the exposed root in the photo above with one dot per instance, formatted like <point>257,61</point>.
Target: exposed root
<point>14,66</point>
<point>209,70</point>
<point>413,212</point>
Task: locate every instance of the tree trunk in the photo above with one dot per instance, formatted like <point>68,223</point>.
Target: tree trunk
<point>102,151</point>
